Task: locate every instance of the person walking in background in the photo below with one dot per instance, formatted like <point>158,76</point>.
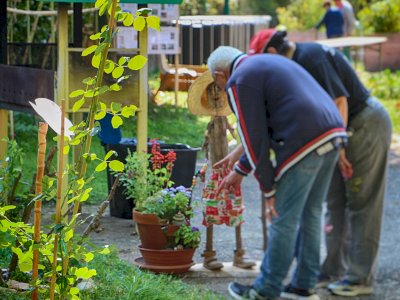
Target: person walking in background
<point>332,20</point>
<point>281,108</point>
<point>349,23</point>
<point>356,195</point>
<point>349,19</point>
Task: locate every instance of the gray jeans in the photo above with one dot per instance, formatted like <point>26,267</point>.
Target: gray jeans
<point>355,206</point>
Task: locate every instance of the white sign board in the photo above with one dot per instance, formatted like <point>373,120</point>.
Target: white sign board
<point>165,41</point>
<point>166,12</point>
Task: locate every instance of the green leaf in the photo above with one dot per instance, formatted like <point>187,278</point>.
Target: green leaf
<point>128,20</point>
<point>153,22</point>
<point>101,166</point>
<point>137,62</point>
<point>99,3</point>
<point>95,36</point>
<point>139,23</point>
<point>68,235</point>
<point>96,60</point>
<point>128,111</point>
<point>103,9</point>
<point>103,106</point>
<point>116,166</point>
<point>115,87</point>
<point>115,107</point>
<point>86,194</point>
<point>118,71</point>
<point>76,93</point>
<point>116,121</point>
<point>89,50</point>
<point>89,93</point>
<point>78,104</point>
<point>74,291</point>
<point>89,80</point>
<point>106,250</point>
<point>122,60</point>
<point>109,154</point>
<point>109,66</point>
<point>100,115</point>
<point>66,149</point>
<point>85,273</point>
<point>103,89</point>
<point>89,256</point>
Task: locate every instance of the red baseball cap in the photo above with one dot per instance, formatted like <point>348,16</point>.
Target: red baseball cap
<point>260,40</point>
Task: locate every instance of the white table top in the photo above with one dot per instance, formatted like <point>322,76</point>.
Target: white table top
<point>353,41</point>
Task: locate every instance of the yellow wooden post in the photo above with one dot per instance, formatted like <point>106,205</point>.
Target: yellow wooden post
<point>3,132</point>
<point>141,132</point>
<point>62,92</point>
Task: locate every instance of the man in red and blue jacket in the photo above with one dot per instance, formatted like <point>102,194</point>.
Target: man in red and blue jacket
<point>280,108</point>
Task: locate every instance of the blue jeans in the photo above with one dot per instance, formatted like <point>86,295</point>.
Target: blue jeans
<point>300,194</point>
<point>355,206</point>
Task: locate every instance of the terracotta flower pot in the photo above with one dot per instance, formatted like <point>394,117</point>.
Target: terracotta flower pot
<point>150,232</point>
<point>166,261</point>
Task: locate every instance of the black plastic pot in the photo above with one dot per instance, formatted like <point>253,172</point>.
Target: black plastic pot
<point>182,173</point>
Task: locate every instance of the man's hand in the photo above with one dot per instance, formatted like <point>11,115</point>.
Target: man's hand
<point>231,182</point>
<point>346,168</point>
<point>270,209</point>
<point>227,163</point>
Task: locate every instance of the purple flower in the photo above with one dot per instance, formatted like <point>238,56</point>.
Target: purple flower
<point>194,228</point>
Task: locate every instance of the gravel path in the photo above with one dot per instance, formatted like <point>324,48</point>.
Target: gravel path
<point>387,286</point>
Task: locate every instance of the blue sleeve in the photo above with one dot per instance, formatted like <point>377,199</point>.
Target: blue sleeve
<point>251,111</point>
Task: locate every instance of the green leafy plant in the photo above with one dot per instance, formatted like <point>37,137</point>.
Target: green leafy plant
<point>10,172</point>
<point>147,181</point>
<point>187,236</point>
<point>300,14</point>
<point>64,255</point>
<point>381,17</point>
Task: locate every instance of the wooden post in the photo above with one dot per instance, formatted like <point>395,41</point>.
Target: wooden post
<point>38,204</point>
<point>218,149</point>
<point>141,131</point>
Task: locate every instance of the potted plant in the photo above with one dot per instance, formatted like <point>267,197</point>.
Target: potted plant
<point>161,212</point>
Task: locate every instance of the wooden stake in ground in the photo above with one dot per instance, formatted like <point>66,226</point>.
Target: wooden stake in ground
<point>38,204</point>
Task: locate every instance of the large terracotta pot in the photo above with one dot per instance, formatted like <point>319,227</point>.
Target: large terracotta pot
<point>150,232</point>
<point>166,261</point>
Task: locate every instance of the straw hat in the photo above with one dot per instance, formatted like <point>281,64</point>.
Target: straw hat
<point>206,99</point>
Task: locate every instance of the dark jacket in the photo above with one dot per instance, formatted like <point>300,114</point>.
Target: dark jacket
<point>279,107</point>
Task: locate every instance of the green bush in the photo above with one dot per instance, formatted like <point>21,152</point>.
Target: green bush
<point>381,17</point>
<point>385,85</point>
<point>300,14</point>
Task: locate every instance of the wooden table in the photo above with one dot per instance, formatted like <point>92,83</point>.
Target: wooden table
<point>373,43</point>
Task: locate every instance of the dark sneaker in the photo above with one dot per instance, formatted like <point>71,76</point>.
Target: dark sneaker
<point>349,289</point>
<point>293,293</point>
<point>240,291</point>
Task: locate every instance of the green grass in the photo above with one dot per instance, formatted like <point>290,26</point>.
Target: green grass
<point>117,279</point>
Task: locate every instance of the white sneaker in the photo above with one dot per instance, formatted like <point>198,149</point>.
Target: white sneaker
<point>348,289</point>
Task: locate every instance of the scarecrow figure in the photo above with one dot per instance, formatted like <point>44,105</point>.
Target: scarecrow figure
<point>205,98</point>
